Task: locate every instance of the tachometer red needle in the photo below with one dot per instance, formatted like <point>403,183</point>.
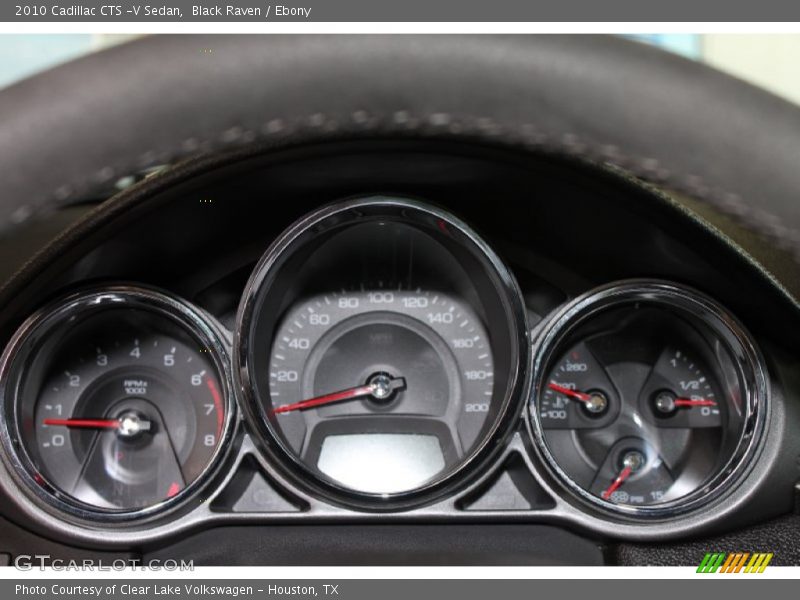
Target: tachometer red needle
<point>85,423</point>
<point>690,402</point>
<point>623,475</point>
<point>569,393</point>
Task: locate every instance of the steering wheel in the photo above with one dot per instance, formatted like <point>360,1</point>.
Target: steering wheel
<point>684,126</point>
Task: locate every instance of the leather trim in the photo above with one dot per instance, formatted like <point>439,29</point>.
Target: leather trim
<point>675,123</point>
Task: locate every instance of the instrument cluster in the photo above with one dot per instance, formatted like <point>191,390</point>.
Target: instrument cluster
<point>382,362</point>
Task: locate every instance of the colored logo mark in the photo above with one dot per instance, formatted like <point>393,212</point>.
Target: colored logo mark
<point>735,562</point>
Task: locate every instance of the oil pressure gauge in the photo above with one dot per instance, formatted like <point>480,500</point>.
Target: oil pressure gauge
<point>649,399</point>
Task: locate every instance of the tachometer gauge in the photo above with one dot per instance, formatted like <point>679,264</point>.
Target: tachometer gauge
<point>648,398</point>
<point>385,347</point>
<point>117,402</point>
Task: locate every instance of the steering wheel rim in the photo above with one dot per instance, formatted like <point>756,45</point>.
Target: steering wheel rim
<point>72,130</point>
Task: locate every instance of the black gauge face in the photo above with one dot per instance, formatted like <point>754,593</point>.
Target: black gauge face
<point>645,403</point>
<point>120,408</point>
<point>382,374</point>
<point>415,368</point>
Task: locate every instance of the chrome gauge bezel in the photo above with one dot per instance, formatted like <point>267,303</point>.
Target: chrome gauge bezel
<point>19,353</point>
<point>263,277</point>
<point>746,357</point>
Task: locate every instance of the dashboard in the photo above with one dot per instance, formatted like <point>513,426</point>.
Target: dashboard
<point>397,336</point>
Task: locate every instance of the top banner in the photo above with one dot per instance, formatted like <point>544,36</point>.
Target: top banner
<point>464,11</point>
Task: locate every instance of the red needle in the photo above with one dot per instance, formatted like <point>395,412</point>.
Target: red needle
<point>85,423</point>
<point>380,387</point>
<point>569,393</point>
<point>690,402</point>
<point>351,394</point>
<point>623,475</point>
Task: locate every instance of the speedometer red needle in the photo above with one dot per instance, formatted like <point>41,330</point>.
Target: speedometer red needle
<point>623,475</point>
<point>85,423</point>
<point>351,394</point>
<point>380,387</point>
<point>690,402</point>
<point>569,392</point>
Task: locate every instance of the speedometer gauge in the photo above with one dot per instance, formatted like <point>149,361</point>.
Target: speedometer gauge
<point>117,402</point>
<point>382,352</point>
<point>380,374</point>
<point>649,399</point>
